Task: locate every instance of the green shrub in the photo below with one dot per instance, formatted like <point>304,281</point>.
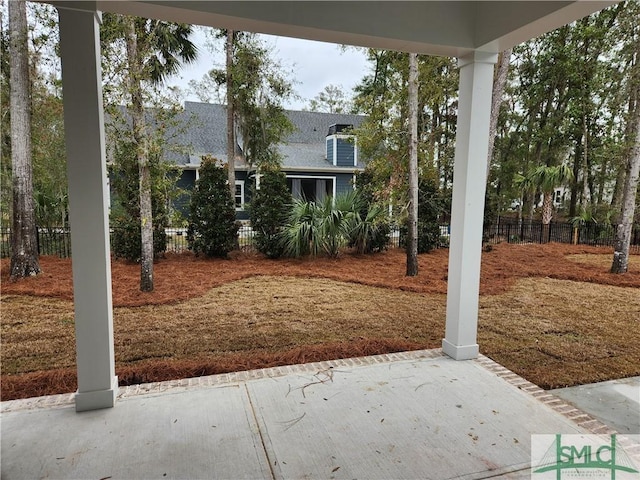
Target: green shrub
<point>126,239</point>
<point>429,208</point>
<point>302,234</point>
<point>212,223</point>
<point>334,224</point>
<point>370,228</point>
<point>125,214</point>
<point>269,208</point>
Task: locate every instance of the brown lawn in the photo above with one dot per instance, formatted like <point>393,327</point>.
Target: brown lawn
<point>551,313</point>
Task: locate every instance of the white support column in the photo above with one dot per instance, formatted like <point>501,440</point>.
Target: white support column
<point>88,207</point>
<point>467,210</point>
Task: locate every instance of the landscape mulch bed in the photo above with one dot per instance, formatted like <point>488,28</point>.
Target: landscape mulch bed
<point>179,278</point>
<point>185,276</point>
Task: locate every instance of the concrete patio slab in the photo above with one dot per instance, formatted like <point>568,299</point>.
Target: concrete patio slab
<point>191,434</point>
<point>405,415</point>
<point>426,419</point>
<point>615,403</point>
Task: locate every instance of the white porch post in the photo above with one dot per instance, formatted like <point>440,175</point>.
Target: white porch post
<point>467,210</point>
<point>88,207</point>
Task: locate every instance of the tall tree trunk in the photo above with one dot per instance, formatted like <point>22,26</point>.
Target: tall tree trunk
<point>412,221</point>
<point>573,204</point>
<point>586,195</point>
<point>602,180</point>
<point>24,247</point>
<point>499,82</point>
<point>620,262</point>
<point>142,152</point>
<point>547,214</point>
<point>231,132</point>
<point>621,177</point>
<point>616,197</point>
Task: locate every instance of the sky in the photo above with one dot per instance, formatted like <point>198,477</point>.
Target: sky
<point>314,66</point>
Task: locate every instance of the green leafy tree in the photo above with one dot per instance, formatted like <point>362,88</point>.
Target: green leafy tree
<point>269,208</point>
<point>255,88</point>
<point>153,50</point>
<point>565,102</point>
<point>430,207</point>
<point>620,263</point>
<point>546,179</point>
<point>212,223</point>
<point>125,211</point>
<point>330,100</point>
<point>50,161</point>
<point>48,155</point>
<point>384,137</point>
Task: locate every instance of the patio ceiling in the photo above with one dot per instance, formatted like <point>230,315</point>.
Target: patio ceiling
<point>450,28</point>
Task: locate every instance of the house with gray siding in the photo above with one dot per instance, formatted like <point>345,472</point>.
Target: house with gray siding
<point>320,157</point>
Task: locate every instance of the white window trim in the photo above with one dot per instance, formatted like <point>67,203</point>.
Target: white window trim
<point>355,152</point>
<point>238,182</point>
<point>241,207</point>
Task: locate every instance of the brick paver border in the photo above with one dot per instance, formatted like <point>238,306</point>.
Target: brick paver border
<point>582,419</point>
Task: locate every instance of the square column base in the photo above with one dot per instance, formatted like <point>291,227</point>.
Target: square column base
<point>460,352</point>
<point>97,399</point>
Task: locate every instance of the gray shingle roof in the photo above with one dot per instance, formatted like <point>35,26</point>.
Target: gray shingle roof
<point>304,148</point>
<point>312,127</point>
<point>207,130</point>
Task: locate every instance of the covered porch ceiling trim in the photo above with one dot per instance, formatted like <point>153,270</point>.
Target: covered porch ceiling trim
<point>451,28</point>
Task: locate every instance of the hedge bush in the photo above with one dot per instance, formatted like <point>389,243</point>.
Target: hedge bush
<point>269,208</point>
<point>212,227</point>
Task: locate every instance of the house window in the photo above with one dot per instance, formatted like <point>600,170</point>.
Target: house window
<point>558,197</point>
<point>313,189</point>
<point>239,194</point>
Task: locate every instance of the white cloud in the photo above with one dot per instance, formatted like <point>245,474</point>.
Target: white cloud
<point>314,65</point>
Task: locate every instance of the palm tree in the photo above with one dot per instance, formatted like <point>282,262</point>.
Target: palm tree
<point>344,221</point>
<point>546,179</point>
<point>155,50</point>
<point>302,233</point>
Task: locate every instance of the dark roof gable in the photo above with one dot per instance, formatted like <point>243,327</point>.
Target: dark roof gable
<point>207,133</point>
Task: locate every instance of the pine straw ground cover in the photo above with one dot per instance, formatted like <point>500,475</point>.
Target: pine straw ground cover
<point>551,313</point>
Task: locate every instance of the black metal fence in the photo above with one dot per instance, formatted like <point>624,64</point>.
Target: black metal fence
<point>595,234</point>
<point>57,241</point>
<point>54,241</point>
